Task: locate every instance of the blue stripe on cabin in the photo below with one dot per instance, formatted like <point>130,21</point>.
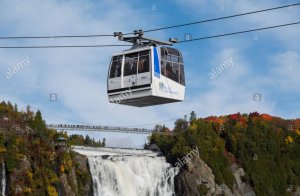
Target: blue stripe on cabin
<point>156,63</point>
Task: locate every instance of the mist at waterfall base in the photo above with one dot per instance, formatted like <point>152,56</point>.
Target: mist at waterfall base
<point>122,140</point>
<point>129,172</point>
<point>3,180</point>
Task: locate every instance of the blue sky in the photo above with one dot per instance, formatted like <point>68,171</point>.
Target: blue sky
<point>265,62</point>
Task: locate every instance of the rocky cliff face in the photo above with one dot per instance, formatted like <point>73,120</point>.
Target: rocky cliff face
<point>197,179</point>
<point>77,181</point>
<point>74,183</point>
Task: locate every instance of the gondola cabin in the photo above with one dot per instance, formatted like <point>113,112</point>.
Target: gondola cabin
<point>146,76</point>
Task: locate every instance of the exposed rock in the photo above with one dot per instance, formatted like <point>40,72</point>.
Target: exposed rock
<point>16,179</point>
<point>65,187</point>
<point>83,166</point>
<point>297,191</point>
<point>78,181</point>
<point>197,177</point>
<point>152,147</point>
<point>241,188</point>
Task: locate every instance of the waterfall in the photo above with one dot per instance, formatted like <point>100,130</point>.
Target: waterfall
<point>3,181</point>
<point>124,172</point>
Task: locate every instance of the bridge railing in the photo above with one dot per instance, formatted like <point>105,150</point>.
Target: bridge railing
<point>98,128</point>
<point>105,129</point>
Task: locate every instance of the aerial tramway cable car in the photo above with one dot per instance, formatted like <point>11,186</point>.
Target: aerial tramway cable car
<point>150,73</point>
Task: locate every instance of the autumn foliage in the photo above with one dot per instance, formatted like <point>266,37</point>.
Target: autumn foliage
<point>267,147</point>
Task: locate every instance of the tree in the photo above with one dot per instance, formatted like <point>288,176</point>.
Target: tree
<point>88,140</point>
<point>158,128</point>
<point>29,113</point>
<point>181,125</point>
<point>38,123</point>
<point>15,108</point>
<point>193,117</point>
<point>103,142</point>
<point>10,106</point>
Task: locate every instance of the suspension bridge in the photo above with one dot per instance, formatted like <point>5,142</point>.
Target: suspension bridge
<point>64,127</point>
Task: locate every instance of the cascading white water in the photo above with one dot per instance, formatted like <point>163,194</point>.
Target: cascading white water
<point>130,173</point>
<point>3,181</point>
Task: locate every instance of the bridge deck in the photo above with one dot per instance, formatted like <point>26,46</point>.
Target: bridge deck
<point>99,128</point>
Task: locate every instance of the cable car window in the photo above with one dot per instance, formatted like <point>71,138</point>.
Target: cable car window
<point>173,51</point>
<point>172,71</point>
<point>143,65</point>
<point>163,67</point>
<point>175,69</point>
<point>132,55</point>
<point>142,53</point>
<point>180,60</point>
<point>115,69</point>
<point>182,79</point>
<point>130,66</point>
<point>115,58</point>
<point>163,53</point>
<point>174,59</point>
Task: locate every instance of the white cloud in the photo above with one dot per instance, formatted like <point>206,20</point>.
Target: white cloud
<point>231,92</point>
<point>286,70</point>
<point>286,35</point>
<point>81,92</point>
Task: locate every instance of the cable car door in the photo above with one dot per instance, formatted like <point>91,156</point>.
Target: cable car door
<point>144,74</point>
<point>130,70</point>
<point>115,73</point>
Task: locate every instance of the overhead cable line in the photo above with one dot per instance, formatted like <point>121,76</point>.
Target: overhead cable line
<point>62,46</point>
<point>190,40</point>
<point>150,30</point>
<point>239,32</point>
<point>55,36</point>
<point>222,18</point>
